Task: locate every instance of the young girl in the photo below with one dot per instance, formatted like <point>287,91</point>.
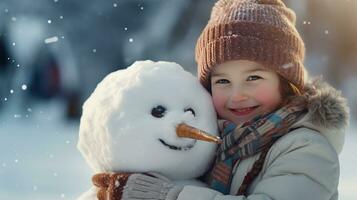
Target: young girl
<point>281,135</point>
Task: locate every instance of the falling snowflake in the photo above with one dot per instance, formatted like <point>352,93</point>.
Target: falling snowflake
<point>51,40</point>
<point>17,116</point>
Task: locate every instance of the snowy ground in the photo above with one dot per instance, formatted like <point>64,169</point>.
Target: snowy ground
<point>39,159</point>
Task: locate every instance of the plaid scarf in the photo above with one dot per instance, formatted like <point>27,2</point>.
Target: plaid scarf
<point>251,138</point>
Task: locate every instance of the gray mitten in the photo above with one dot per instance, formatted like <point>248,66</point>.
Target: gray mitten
<point>150,186</point>
<point>128,186</point>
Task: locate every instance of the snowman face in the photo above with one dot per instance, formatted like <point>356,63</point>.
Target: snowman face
<point>160,112</point>
<point>134,114</point>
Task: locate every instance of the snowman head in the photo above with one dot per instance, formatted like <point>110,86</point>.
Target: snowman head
<point>129,122</point>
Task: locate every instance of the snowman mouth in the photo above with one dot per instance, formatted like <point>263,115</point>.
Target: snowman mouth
<point>178,148</point>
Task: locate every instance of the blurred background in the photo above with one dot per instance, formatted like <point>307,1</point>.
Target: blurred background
<point>54,52</point>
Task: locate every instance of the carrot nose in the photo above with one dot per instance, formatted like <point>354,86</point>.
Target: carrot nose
<point>184,130</point>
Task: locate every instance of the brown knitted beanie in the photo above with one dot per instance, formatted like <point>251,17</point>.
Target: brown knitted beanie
<point>257,30</point>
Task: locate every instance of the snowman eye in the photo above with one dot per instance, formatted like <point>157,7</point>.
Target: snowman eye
<point>190,110</point>
<point>158,111</point>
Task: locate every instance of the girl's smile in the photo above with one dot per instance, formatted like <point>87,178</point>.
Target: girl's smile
<point>243,111</point>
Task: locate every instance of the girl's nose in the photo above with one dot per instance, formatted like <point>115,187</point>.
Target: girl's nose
<point>238,95</point>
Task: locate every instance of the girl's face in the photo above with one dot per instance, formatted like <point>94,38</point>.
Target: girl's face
<point>243,89</point>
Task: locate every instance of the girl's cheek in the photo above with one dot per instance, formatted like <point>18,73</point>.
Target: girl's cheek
<point>268,96</point>
<point>218,101</point>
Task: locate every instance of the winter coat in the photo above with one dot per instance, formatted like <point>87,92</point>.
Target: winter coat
<point>302,164</point>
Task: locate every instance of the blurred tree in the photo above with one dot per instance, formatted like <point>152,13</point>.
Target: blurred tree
<point>5,68</point>
<point>45,80</point>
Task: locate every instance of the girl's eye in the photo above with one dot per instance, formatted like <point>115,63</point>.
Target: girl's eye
<point>253,78</point>
<point>158,111</point>
<point>222,81</point>
<point>190,110</point>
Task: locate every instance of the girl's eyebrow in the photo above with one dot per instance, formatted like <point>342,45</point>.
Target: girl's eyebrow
<point>258,69</point>
<point>217,74</point>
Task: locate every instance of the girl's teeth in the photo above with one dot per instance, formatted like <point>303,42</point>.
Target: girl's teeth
<point>244,111</point>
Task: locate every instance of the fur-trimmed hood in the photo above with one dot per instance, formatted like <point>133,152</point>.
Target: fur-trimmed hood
<point>328,113</point>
